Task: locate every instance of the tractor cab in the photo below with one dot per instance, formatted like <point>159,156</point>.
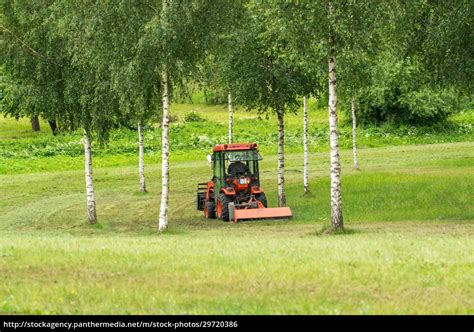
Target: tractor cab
<point>236,169</point>
<point>235,185</point>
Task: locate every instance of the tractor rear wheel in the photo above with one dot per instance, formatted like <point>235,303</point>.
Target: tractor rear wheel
<point>223,207</point>
<point>262,199</point>
<point>210,210</point>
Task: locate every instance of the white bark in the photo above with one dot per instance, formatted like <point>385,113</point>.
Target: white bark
<point>163,222</point>
<point>306,150</point>
<point>336,199</point>
<point>141,159</point>
<point>281,159</point>
<point>91,212</point>
<point>354,126</point>
<point>229,100</point>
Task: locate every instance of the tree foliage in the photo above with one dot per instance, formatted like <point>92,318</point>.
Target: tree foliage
<point>264,74</point>
<point>95,63</point>
<point>33,61</point>
<point>400,93</point>
<point>424,72</point>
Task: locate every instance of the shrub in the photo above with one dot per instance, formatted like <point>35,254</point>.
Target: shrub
<point>193,117</point>
<point>424,106</point>
<point>402,92</point>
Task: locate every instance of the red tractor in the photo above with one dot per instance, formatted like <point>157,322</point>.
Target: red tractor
<point>234,193</point>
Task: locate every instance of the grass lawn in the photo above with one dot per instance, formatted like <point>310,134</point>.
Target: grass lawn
<point>409,246</point>
<point>22,151</point>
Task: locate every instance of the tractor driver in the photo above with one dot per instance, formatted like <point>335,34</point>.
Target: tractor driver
<point>237,168</point>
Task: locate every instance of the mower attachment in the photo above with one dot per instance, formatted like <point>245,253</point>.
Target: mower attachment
<point>262,213</point>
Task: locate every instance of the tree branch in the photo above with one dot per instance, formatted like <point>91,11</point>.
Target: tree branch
<point>22,42</point>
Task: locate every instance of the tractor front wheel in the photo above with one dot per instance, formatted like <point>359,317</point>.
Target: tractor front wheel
<point>210,210</point>
<point>223,207</point>
<point>262,199</point>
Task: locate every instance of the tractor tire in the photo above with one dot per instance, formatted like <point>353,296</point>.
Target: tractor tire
<point>223,207</point>
<point>262,199</point>
<point>210,210</point>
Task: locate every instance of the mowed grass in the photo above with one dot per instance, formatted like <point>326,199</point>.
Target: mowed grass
<point>249,270</point>
<point>409,248</point>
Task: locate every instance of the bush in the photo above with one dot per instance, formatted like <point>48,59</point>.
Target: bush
<point>416,107</point>
<point>193,117</point>
<point>402,92</point>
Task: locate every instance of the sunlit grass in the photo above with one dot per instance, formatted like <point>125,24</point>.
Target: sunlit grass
<point>21,128</point>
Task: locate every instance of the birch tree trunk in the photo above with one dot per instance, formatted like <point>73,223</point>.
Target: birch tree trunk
<point>163,223</point>
<point>229,101</point>
<point>281,159</point>
<point>141,160</point>
<point>91,212</point>
<point>306,150</point>
<point>336,199</point>
<point>35,125</point>
<point>354,126</point>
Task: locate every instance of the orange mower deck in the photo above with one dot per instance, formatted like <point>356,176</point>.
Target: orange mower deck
<point>262,213</point>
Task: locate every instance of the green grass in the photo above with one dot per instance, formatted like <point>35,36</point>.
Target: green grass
<point>193,140</point>
<point>408,248</point>
<point>250,269</point>
<point>11,129</point>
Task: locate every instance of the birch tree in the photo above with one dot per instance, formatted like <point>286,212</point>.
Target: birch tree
<point>266,77</point>
<point>349,24</point>
<point>354,134</point>
<point>305,147</point>
<point>229,104</point>
<point>171,43</point>
<point>281,157</point>
<point>327,35</point>
<point>90,197</point>
<point>335,168</point>
<point>39,58</point>
<point>132,80</point>
<point>141,158</point>
<point>88,82</point>
<point>165,168</point>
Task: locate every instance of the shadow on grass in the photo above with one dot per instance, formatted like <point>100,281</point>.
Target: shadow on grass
<point>95,226</point>
<point>327,230</point>
<point>309,194</point>
<point>169,231</point>
<point>141,193</point>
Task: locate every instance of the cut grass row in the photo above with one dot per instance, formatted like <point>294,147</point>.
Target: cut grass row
<point>398,183</point>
